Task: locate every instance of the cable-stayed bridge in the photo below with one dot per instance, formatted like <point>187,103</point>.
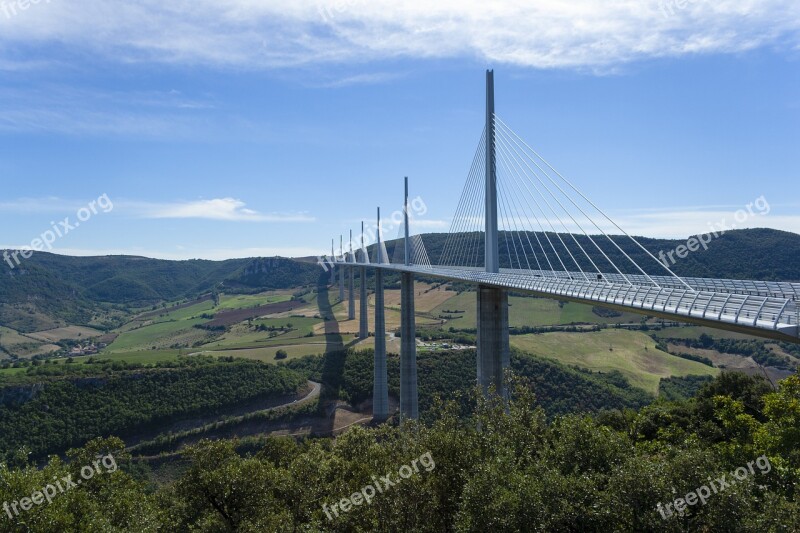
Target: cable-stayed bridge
<point>521,225</point>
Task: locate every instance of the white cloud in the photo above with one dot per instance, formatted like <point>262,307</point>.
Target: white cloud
<point>50,204</point>
<point>361,79</point>
<point>271,33</point>
<point>227,209</point>
<point>73,111</point>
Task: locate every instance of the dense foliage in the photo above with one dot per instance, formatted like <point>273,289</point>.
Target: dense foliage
<point>447,374</point>
<point>756,349</point>
<point>504,469</point>
<point>681,388</point>
<point>52,415</point>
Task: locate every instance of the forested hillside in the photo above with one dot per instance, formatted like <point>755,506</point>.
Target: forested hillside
<point>451,374</point>
<point>54,408</point>
<point>74,289</point>
<point>725,461</point>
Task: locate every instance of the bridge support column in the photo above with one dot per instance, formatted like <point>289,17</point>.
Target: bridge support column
<point>408,350</point>
<point>380,389</point>
<point>493,347</point>
<point>351,308</point>
<point>341,283</point>
<point>363,327</point>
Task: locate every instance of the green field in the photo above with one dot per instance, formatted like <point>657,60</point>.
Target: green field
<point>241,336</point>
<point>694,332</point>
<point>169,314</point>
<point>244,301</point>
<point>69,332</point>
<point>142,356</point>
<point>528,312</point>
<point>23,346</point>
<point>633,353</point>
<point>10,337</point>
<point>145,337</point>
<point>177,325</point>
<point>12,371</point>
<point>171,327</point>
<point>294,351</point>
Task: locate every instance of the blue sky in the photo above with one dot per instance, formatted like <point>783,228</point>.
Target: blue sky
<point>242,128</point>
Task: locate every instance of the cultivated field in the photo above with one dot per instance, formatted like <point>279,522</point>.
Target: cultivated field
<point>24,345</point>
<point>69,332</point>
<point>633,353</point>
<point>530,312</point>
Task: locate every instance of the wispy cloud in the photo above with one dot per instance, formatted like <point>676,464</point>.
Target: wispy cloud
<point>361,79</point>
<point>49,204</point>
<point>226,209</point>
<point>76,111</point>
<point>272,33</point>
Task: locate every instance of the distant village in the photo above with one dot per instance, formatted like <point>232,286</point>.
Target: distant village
<point>88,349</point>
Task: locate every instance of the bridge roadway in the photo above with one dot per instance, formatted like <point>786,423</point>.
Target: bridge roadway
<point>763,309</point>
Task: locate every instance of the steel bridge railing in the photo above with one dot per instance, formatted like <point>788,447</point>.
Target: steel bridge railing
<point>753,311</point>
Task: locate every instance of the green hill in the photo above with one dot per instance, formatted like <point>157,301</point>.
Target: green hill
<point>48,289</point>
<point>771,255</point>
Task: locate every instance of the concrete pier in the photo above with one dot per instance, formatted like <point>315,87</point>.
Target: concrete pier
<point>332,264</point>
<point>493,349</point>
<point>363,327</point>
<point>380,390</point>
<point>409,408</point>
<point>341,268</point>
<point>351,308</point>
<point>341,283</point>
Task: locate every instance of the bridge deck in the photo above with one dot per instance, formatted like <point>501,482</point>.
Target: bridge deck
<point>774,289</point>
<point>750,307</point>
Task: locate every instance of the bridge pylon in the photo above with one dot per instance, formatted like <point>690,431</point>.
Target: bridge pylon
<point>493,355</point>
<point>409,406</point>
